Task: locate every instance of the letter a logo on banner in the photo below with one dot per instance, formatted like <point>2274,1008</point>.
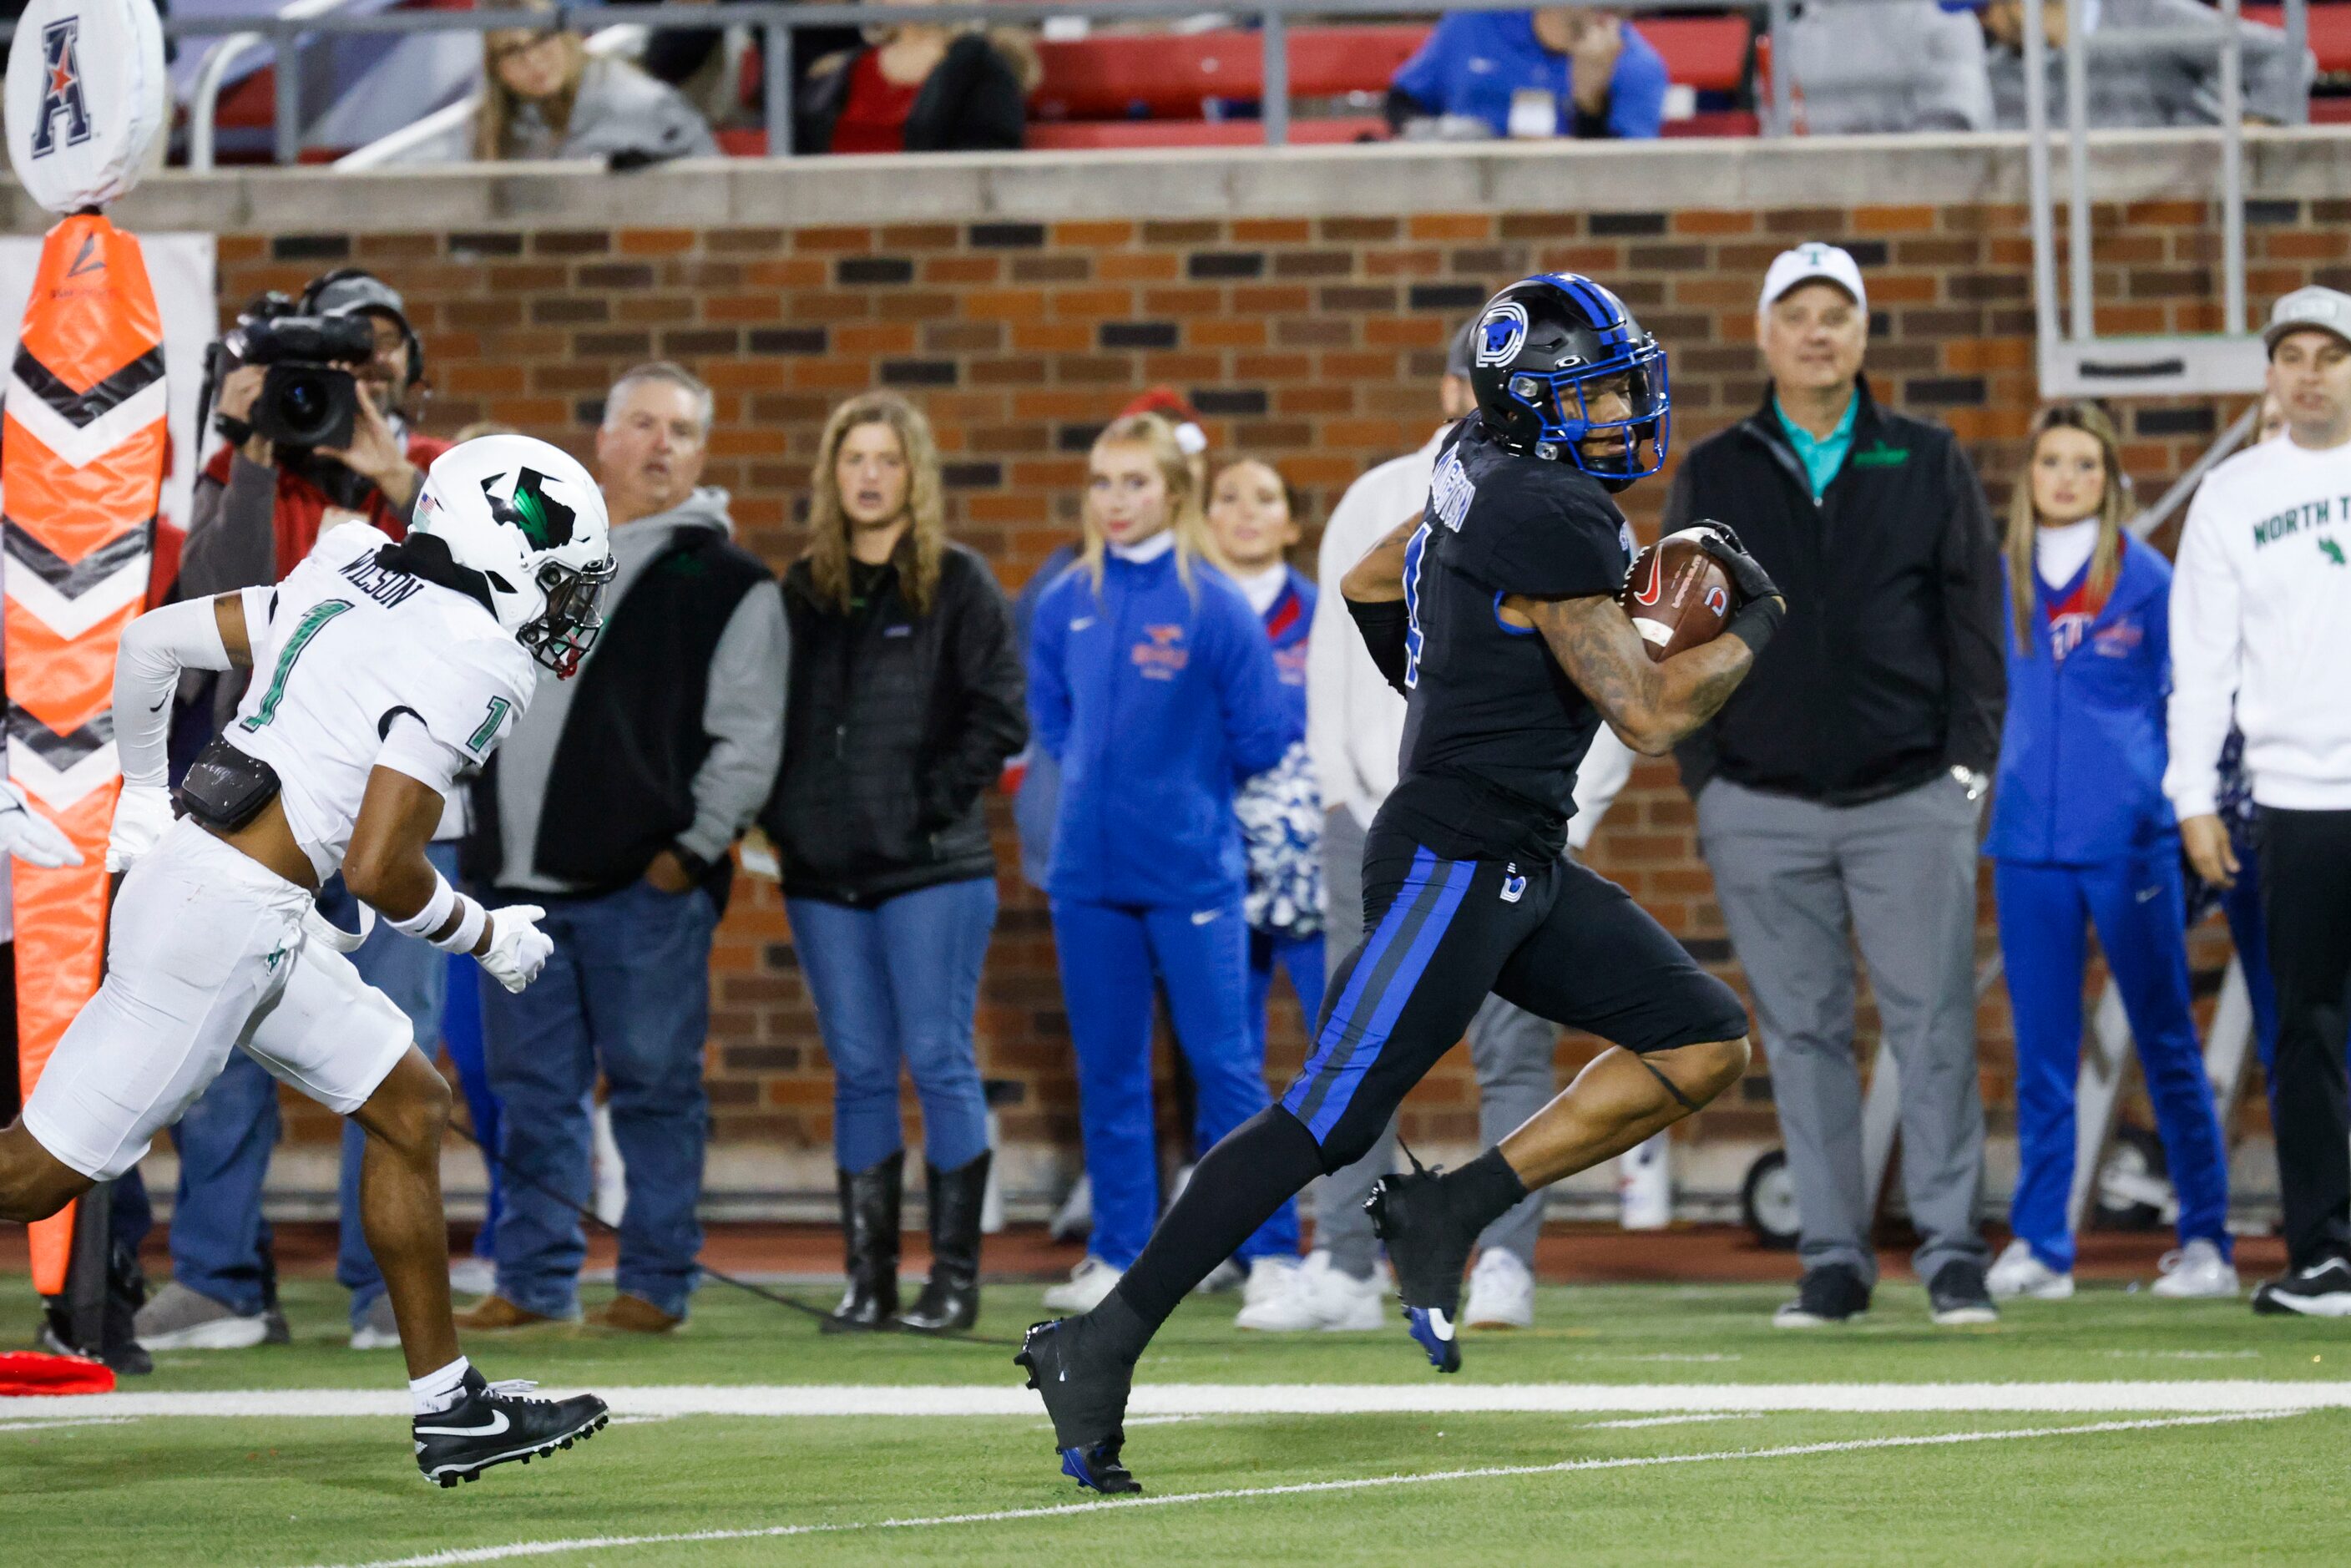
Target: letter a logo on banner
<point>61,95</point>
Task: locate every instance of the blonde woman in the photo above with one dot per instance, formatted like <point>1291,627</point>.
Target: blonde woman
<point>905,700</point>
<point>1151,682</point>
<point>543,96</point>
<point>2081,837</point>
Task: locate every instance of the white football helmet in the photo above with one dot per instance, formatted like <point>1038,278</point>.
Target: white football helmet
<point>525,518</point>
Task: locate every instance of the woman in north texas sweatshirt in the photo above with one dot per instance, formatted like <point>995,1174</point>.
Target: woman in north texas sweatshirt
<point>2081,836</point>
<point>1153,684</point>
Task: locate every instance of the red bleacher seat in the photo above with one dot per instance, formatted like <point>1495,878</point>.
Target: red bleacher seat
<point>2330,33</point>
<point>1174,76</point>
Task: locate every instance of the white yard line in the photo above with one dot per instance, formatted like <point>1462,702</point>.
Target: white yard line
<point>68,1421</point>
<point>2242,1396</point>
<point>454,1559</point>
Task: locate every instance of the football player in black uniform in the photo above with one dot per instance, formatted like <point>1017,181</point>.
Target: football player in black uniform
<point>1495,612</point>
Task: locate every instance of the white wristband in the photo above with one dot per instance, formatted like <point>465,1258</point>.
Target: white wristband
<point>471,918</point>
<point>438,906</point>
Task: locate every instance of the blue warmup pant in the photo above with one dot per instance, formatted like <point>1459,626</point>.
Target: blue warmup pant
<point>897,984</point>
<point>1107,952</point>
<point>2138,907</point>
<point>1301,958</point>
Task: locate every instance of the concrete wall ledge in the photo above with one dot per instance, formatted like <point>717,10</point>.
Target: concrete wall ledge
<point>1050,187</point>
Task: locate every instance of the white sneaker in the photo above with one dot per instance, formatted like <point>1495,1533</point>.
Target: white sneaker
<point>178,1318</point>
<point>471,1276</point>
<point>1317,1296</point>
<point>1268,1278</point>
<point>2196,1272</point>
<point>1090,1281</point>
<point>1502,1292</point>
<point>379,1330</point>
<point>2020,1273</point>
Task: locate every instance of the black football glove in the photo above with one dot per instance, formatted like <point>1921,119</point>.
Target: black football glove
<point>1745,571</point>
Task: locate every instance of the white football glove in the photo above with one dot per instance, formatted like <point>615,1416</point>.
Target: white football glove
<point>30,836</point>
<point>139,818</point>
<point>519,948</point>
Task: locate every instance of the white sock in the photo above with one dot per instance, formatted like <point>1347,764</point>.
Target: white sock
<point>438,1391</point>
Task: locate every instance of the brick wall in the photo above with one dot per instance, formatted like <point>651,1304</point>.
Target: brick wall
<point>1315,340</point>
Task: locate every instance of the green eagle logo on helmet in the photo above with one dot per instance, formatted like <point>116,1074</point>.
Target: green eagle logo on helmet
<point>545,521</point>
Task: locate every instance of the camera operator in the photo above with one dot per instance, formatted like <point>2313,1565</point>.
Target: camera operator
<point>260,506</point>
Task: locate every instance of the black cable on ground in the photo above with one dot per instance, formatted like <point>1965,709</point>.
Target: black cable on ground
<point>808,1308</point>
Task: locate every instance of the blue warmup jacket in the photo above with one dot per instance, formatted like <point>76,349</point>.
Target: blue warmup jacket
<point>1157,702</point>
<point>2082,751</point>
<point>1287,623</point>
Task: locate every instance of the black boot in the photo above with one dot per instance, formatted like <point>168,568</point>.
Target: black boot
<point>869,1230</point>
<point>951,1301</point>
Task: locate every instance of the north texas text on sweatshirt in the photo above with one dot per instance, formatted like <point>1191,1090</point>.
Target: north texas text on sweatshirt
<point>2261,613</point>
<point>1157,700</point>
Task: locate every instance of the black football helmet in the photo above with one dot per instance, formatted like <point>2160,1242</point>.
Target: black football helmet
<point>1541,347</point>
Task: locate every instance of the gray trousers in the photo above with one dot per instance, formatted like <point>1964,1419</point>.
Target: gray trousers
<point>1800,885</point>
<point>1512,1051</point>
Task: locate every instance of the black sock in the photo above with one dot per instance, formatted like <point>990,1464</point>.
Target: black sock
<point>1484,1190</point>
<point>1236,1188</point>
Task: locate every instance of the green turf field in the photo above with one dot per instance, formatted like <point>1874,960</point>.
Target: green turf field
<point>1673,1474</point>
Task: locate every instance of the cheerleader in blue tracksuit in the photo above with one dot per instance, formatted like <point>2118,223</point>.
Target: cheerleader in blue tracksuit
<point>1151,681</point>
<point>1252,523</point>
<point>2081,836</point>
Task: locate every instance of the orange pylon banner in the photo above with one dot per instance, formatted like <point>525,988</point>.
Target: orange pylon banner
<point>82,455</point>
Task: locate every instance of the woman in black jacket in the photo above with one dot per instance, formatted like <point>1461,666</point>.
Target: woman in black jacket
<point>905,700</point>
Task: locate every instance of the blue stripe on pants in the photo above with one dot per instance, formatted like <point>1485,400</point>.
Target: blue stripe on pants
<point>1385,973</point>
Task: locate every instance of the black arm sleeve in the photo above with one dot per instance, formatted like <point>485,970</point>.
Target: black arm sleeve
<point>1384,626</point>
<point>991,711</point>
<point>1975,671</point>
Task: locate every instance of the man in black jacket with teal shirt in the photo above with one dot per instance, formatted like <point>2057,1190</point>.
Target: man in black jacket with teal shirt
<point>614,804</point>
<point>1839,788</point>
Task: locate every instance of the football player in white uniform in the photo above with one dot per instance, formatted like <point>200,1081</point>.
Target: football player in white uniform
<point>380,673</point>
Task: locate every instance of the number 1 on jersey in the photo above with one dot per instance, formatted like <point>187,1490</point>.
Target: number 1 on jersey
<point>300,639</point>
<point>1414,553</point>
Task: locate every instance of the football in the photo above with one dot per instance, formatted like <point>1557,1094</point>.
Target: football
<point>1677,595</point>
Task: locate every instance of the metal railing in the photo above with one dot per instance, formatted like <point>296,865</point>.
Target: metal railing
<point>776,22</point>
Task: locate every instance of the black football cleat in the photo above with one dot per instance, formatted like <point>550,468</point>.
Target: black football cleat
<point>1431,1249</point>
<point>493,1422</point>
<point>1085,1389</point>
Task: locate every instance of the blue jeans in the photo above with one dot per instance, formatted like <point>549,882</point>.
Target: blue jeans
<point>2136,905</point>
<point>626,990</point>
<point>224,1140</point>
<point>461,1037</point>
<point>1107,956</point>
<point>900,982</point>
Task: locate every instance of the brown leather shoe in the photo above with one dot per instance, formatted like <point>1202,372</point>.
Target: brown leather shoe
<point>496,1311</point>
<point>633,1314</point>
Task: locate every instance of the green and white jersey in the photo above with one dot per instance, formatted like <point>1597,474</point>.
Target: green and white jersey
<point>350,651</point>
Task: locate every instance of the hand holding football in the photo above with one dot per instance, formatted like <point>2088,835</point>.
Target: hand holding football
<point>1677,595</point>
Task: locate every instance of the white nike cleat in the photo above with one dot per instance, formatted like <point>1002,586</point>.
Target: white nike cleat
<point>1089,1282</point>
<point>2018,1273</point>
<point>1502,1292</point>
<point>1319,1295</point>
<point>2196,1272</point>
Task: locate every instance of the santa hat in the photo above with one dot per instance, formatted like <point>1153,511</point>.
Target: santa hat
<point>1177,410</point>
